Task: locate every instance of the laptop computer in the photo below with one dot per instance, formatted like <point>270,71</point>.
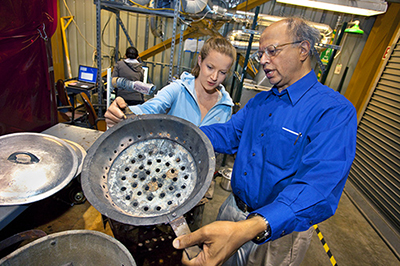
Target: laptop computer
<point>87,77</point>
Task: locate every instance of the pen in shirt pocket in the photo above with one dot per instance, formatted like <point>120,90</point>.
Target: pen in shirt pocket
<point>295,133</point>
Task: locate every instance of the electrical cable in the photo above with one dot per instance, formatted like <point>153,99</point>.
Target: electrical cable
<point>102,32</point>
<point>76,25</point>
<point>197,20</point>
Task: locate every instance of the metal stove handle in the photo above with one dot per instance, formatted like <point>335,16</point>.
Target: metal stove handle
<point>180,227</point>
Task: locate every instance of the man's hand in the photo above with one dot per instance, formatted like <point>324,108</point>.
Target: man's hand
<point>115,113</point>
<point>219,240</point>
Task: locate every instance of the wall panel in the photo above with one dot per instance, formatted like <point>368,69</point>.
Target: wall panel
<point>84,12</point>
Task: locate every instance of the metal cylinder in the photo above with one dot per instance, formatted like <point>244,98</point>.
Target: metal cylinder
<point>129,85</point>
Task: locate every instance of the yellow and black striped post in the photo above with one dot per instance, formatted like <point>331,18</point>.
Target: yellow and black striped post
<point>327,250</point>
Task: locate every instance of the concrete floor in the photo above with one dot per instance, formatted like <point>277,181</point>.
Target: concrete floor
<point>351,240</point>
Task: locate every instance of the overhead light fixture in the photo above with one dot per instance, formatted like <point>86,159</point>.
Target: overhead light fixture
<point>355,7</point>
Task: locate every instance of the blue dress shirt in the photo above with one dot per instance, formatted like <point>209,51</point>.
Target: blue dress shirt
<point>294,152</point>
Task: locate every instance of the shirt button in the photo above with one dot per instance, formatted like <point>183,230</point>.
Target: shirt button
<point>283,233</point>
<point>254,154</point>
<point>270,114</point>
<point>245,173</point>
<point>262,134</point>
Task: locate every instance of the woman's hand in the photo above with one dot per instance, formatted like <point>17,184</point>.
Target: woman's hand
<point>115,113</point>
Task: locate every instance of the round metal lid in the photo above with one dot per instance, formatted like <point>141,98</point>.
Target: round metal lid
<point>34,166</point>
<point>227,173</point>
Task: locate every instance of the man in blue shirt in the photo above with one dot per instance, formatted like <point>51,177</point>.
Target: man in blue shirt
<point>295,145</point>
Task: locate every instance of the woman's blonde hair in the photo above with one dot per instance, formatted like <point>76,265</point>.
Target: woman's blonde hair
<point>216,43</point>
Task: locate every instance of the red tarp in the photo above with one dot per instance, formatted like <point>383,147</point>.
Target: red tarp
<point>27,95</point>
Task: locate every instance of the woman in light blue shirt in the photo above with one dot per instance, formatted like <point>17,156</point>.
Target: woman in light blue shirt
<point>198,97</point>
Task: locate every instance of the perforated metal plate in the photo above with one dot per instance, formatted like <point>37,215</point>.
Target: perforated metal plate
<point>151,177</point>
<point>148,170</point>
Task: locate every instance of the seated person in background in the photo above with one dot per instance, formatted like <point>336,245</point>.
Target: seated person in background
<point>131,69</point>
<point>198,97</point>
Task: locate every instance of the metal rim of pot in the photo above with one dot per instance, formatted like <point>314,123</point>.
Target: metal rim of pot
<point>80,152</point>
<point>141,133</point>
<point>73,243</point>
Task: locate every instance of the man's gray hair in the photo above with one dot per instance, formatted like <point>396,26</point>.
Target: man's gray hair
<point>302,31</point>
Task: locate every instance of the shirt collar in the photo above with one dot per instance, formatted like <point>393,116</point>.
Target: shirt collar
<point>131,60</point>
<point>299,88</point>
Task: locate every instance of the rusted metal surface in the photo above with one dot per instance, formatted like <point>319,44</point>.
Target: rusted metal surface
<point>151,177</point>
<point>26,235</point>
<point>181,227</point>
<point>148,170</point>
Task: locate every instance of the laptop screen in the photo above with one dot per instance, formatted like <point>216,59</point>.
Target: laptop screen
<point>87,74</point>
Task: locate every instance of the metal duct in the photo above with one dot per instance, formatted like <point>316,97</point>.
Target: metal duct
<point>139,2</point>
<point>240,38</point>
<point>193,6</point>
<point>155,30</point>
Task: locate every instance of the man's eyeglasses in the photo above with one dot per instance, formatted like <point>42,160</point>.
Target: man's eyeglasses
<point>271,50</point>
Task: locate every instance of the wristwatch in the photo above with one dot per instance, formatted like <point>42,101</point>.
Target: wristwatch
<point>263,236</point>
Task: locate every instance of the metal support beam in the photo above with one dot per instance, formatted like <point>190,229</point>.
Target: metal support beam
<point>98,50</point>
<point>251,70</point>
<point>238,94</point>
<point>178,69</point>
<point>116,37</point>
<point>328,67</point>
<point>198,29</point>
<point>171,60</point>
<point>64,26</point>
